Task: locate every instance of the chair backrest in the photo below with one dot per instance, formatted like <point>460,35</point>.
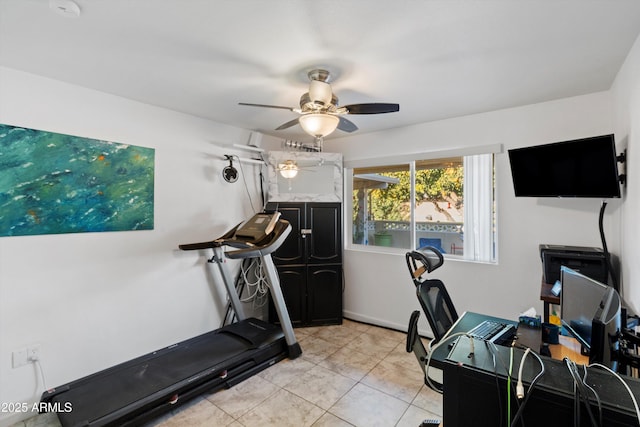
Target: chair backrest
<point>437,306</point>
<point>431,293</point>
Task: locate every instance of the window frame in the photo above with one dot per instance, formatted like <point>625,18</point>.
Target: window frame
<point>411,159</point>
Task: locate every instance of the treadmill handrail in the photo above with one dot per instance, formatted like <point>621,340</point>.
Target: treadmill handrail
<point>211,244</point>
<point>247,248</point>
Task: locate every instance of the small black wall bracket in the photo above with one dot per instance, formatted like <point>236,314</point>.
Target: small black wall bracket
<point>622,158</point>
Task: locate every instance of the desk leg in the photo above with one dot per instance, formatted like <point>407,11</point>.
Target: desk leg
<point>546,311</point>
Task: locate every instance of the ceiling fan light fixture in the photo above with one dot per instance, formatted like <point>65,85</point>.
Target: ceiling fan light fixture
<point>320,92</point>
<point>319,112</point>
<point>319,124</point>
<point>288,169</point>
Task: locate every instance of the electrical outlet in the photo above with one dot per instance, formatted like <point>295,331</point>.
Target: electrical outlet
<point>19,358</point>
<point>26,355</point>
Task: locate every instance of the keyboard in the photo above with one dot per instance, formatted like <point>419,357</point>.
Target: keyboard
<point>492,331</point>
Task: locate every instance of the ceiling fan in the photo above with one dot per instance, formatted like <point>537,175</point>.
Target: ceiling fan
<point>319,111</point>
<point>289,168</point>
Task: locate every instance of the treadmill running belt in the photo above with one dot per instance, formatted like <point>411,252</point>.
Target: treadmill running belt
<point>131,384</point>
<point>150,380</point>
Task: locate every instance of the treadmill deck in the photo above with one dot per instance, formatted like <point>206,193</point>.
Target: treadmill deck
<point>149,384</point>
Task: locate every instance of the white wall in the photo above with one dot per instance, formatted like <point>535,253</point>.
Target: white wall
<point>378,286</point>
<point>92,300</point>
<point>626,94</point>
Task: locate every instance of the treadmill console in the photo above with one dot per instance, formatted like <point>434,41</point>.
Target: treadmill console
<point>262,229</point>
<point>258,227</point>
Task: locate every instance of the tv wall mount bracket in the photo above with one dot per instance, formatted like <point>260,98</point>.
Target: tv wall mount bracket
<point>622,158</point>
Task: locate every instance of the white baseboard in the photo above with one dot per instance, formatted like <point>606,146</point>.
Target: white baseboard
<point>374,321</point>
<point>382,322</point>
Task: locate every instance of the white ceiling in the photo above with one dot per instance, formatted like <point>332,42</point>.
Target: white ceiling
<point>436,58</point>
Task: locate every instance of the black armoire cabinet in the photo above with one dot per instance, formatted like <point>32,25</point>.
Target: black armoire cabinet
<point>309,262</point>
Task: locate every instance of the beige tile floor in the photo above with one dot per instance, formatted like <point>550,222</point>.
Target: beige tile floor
<point>348,375</point>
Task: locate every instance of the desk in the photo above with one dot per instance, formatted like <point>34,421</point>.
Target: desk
<point>467,321</point>
<point>527,337</point>
<point>568,347</point>
<point>476,386</point>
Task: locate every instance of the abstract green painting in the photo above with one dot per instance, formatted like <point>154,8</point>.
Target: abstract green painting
<point>52,183</point>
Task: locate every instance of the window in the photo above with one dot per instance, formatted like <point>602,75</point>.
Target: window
<point>425,200</point>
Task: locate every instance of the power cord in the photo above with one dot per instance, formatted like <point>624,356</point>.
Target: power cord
<point>626,386</point>
<point>528,394</point>
<point>580,393</point>
<point>259,296</point>
<point>520,387</point>
<point>244,180</point>
<point>438,345</point>
<point>509,385</point>
<point>35,358</point>
<point>495,375</point>
<point>595,394</point>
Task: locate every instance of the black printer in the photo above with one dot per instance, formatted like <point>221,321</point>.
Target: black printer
<point>587,260</point>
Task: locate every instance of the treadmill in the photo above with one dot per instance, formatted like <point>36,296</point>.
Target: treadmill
<point>136,391</point>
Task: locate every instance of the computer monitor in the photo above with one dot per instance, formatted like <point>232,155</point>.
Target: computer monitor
<point>590,311</point>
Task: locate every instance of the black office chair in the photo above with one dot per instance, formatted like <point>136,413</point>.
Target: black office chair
<point>436,304</point>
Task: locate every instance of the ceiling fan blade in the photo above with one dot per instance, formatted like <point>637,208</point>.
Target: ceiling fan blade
<point>372,108</point>
<point>265,106</point>
<point>346,125</point>
<point>288,124</point>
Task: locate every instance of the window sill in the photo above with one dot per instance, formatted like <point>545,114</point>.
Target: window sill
<point>385,250</point>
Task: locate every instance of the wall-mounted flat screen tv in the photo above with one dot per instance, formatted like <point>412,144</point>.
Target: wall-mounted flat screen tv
<point>585,167</point>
